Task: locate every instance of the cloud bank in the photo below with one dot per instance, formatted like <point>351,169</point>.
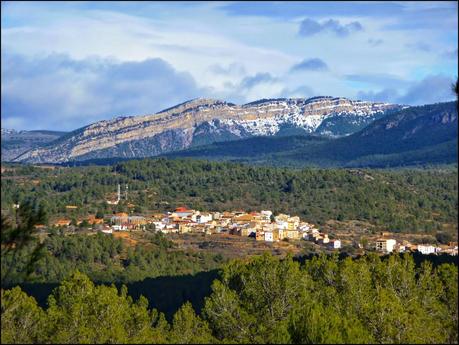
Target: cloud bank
<point>66,66</point>
<point>432,89</point>
<point>63,91</point>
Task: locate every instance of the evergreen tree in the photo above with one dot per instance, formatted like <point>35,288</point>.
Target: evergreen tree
<point>22,320</point>
<point>188,328</point>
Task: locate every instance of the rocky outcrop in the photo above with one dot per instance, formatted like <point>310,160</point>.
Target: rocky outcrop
<point>203,121</point>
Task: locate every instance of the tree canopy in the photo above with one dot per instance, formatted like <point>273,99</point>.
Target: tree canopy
<point>401,201</point>
<point>259,300</point>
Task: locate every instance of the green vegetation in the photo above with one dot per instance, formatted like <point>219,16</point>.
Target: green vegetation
<point>261,300</point>
<point>400,201</point>
<point>103,258</point>
<point>19,238</point>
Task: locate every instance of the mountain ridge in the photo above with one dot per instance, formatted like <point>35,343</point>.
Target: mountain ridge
<point>412,136</point>
<point>201,121</point>
<point>16,142</point>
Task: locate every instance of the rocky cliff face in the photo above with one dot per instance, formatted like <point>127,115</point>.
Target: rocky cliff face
<point>203,121</point>
<point>415,136</point>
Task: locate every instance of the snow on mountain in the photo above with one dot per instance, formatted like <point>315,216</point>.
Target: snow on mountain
<point>202,121</point>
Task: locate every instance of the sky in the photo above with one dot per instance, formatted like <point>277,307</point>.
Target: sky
<point>68,64</point>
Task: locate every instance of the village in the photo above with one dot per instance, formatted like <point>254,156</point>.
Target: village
<point>262,226</point>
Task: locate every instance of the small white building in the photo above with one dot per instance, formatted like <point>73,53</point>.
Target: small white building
<point>159,225</point>
<point>267,213</point>
<point>120,227</point>
<point>304,227</point>
<point>385,245</point>
<point>427,249</point>
<point>169,229</point>
<point>269,236</point>
<point>334,244</point>
<point>203,218</point>
<point>282,224</point>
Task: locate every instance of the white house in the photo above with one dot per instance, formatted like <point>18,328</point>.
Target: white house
<point>334,244</point>
<point>169,229</point>
<point>203,218</point>
<point>269,236</point>
<point>427,249</point>
<point>282,224</point>
<point>304,227</point>
<point>266,215</point>
<point>159,225</point>
<point>119,227</point>
<point>385,245</point>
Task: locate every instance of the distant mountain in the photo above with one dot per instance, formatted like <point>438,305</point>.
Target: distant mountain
<point>15,143</point>
<point>204,121</point>
<point>6,131</point>
<point>412,136</point>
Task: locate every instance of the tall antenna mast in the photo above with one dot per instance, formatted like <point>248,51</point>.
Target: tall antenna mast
<point>119,193</point>
<point>126,192</point>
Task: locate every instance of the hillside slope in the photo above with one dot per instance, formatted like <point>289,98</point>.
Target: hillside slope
<point>413,136</point>
<point>203,121</point>
<point>404,200</point>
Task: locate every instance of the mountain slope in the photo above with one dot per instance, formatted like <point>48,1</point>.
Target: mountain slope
<point>15,143</point>
<point>203,121</point>
<point>413,136</point>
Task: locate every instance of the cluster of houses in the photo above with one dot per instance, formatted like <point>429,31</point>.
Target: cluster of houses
<point>263,226</point>
<point>389,245</point>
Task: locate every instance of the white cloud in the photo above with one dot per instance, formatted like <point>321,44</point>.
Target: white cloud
<point>180,43</point>
<point>65,93</point>
<point>217,50</point>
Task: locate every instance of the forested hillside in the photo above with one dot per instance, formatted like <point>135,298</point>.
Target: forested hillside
<point>401,201</point>
<point>103,258</point>
<point>261,300</point>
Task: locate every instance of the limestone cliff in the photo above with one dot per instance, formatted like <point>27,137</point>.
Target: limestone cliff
<point>203,121</point>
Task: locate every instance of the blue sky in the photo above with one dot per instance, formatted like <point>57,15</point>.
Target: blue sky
<point>68,64</point>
